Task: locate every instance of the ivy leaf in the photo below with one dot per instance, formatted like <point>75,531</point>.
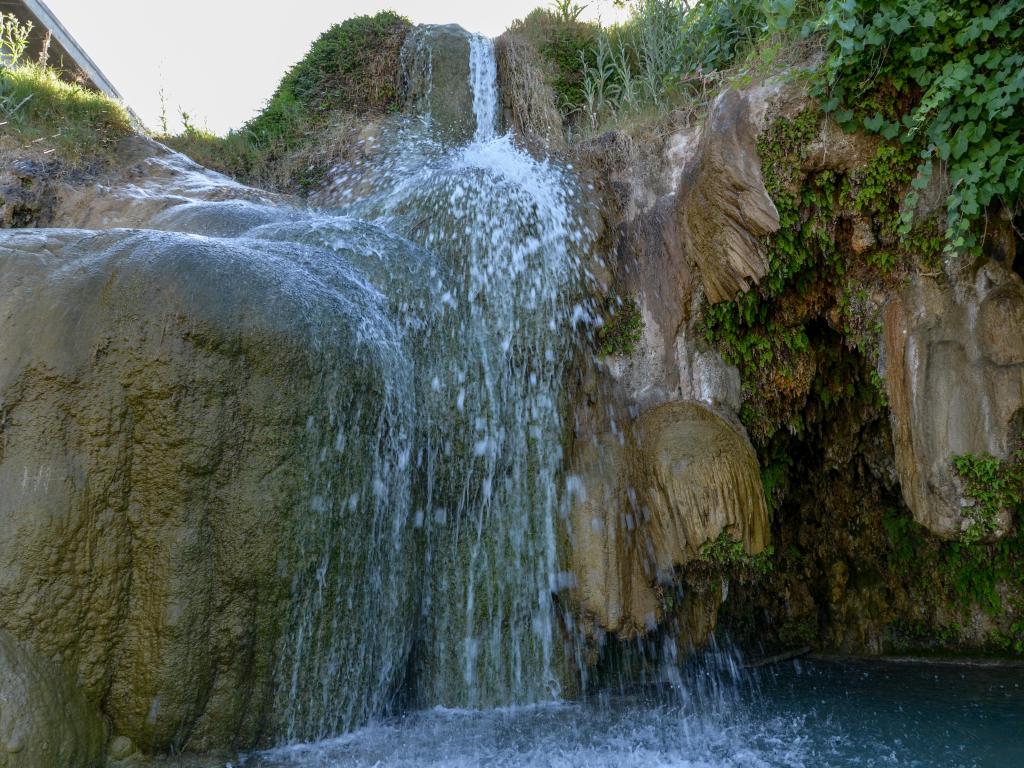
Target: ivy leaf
<point>918,52</point>
<point>900,25</point>
<point>927,20</point>
<point>874,124</point>
<point>891,130</point>
<point>844,116</point>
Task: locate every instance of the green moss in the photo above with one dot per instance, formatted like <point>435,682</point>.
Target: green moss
<point>623,327</point>
<point>969,573</point>
<point>728,554</point>
<point>807,337</point>
<point>40,109</point>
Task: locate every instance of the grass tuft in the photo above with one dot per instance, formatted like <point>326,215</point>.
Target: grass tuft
<point>39,110</point>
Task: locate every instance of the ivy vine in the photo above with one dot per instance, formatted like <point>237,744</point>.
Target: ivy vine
<point>945,77</point>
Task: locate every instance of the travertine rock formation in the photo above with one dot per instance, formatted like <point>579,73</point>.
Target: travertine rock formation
<point>645,506</point>
<point>954,372</point>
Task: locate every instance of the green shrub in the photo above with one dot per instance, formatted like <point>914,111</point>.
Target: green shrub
<point>946,77</point>
<point>666,51</point>
<point>13,38</point>
<point>352,68</point>
<point>566,45</point>
<point>727,553</point>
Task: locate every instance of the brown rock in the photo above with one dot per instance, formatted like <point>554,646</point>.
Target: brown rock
<point>646,507</point>
<point>45,720</point>
<point>954,372</point>
<point>723,207</point>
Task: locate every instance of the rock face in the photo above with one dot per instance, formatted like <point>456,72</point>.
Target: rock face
<point>645,508</point>
<point>723,208</point>
<point>671,469</point>
<point>435,64</point>
<point>157,393</point>
<point>45,720</point>
<point>954,372</point>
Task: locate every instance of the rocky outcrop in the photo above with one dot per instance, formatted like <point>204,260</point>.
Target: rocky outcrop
<point>26,192</point>
<point>435,80</point>
<point>647,505</point>
<point>158,464</point>
<point>45,720</point>
<point>528,103</point>
<point>670,470</point>
<point>954,373</point>
<point>723,209</point>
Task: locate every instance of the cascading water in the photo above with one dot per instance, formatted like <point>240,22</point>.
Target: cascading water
<point>463,479</point>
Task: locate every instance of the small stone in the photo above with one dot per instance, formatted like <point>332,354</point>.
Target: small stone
<point>862,237</point>
<point>120,748</point>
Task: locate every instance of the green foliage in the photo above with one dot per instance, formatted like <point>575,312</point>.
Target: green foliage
<point>566,45</point>
<point>667,50</point>
<point>971,572</point>
<point>351,68</point>
<point>40,109</point>
<point>567,10</point>
<point>994,485</point>
<point>947,78</point>
<point>776,465</point>
<point>13,39</point>
<point>728,554</point>
<point>623,327</point>
<point>774,334</point>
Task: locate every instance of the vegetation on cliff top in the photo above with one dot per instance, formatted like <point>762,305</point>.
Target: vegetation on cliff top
<point>41,111</point>
<point>352,69</point>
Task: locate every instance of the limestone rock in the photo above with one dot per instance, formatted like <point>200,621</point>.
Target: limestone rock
<point>644,507</point>
<point>954,371</point>
<point>435,65</point>
<point>45,720</point>
<point>157,394</point>
<point>703,479</point>
<point>723,207</point>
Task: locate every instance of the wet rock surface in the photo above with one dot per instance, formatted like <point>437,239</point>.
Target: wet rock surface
<point>45,719</point>
<point>647,504</point>
<point>154,462</point>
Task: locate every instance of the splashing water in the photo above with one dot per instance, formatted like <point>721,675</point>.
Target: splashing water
<point>472,500</point>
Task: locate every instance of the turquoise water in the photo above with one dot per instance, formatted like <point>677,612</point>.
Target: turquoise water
<point>802,714</point>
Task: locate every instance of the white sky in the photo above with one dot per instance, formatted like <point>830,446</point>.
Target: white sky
<point>220,60</point>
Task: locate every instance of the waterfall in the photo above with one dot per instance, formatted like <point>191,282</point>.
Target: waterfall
<point>466,474</point>
<point>483,73</point>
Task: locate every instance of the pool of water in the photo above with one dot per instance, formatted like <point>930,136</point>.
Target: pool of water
<point>801,713</point>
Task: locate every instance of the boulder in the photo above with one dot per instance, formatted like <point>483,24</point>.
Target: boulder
<point>169,412</point>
